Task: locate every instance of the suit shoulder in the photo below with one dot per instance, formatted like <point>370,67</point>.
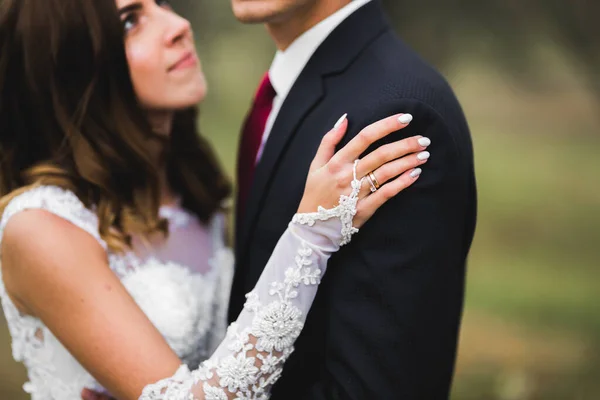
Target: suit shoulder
<point>401,74</point>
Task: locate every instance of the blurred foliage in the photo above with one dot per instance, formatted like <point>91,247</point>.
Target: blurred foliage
<point>509,31</point>
<point>526,73</point>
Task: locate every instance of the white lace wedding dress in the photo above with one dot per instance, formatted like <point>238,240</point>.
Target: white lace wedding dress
<point>183,287</point>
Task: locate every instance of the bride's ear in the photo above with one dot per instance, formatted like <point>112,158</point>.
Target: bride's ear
<point>329,142</point>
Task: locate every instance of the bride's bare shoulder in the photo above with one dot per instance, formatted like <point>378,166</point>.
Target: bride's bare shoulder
<point>40,249</point>
<point>39,232</point>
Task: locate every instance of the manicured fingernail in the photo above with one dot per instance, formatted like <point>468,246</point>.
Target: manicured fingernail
<point>339,122</point>
<point>424,141</point>
<point>416,172</point>
<point>405,118</point>
<point>424,155</point>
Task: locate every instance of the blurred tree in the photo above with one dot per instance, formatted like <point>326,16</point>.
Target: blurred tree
<point>506,32</point>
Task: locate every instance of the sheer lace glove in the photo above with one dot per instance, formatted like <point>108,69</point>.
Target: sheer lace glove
<point>251,357</point>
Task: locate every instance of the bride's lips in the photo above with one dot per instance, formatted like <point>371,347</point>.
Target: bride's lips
<point>188,60</point>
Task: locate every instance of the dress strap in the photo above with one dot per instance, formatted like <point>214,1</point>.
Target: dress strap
<point>58,201</point>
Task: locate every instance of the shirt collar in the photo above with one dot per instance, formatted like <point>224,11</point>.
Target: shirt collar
<point>287,65</point>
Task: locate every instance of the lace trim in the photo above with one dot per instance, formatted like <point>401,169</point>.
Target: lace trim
<point>56,200</point>
<point>345,211</point>
<point>177,216</point>
<point>176,387</point>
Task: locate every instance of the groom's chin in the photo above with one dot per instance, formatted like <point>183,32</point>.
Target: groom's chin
<point>251,11</point>
<point>262,11</point>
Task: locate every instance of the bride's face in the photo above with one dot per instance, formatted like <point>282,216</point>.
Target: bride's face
<point>163,63</point>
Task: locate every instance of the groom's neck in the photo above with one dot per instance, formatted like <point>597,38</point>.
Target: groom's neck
<point>284,32</point>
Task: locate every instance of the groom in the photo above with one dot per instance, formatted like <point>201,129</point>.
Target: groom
<point>386,319</point>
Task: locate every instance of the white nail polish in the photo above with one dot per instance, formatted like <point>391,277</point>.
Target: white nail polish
<point>416,172</point>
<point>339,122</point>
<point>424,155</point>
<point>424,141</point>
<point>405,118</point>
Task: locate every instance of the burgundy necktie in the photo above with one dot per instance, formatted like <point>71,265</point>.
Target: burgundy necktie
<point>252,134</point>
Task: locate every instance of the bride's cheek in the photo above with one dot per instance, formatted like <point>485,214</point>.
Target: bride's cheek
<point>139,58</point>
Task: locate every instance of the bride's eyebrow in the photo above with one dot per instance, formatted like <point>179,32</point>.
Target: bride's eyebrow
<point>130,8</point>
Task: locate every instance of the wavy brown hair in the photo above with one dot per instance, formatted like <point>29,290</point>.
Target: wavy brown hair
<point>69,117</point>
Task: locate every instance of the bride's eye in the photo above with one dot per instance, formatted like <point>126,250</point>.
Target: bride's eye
<point>129,22</point>
<point>164,3</point>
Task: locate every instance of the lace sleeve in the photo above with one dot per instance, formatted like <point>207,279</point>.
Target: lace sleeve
<point>251,357</point>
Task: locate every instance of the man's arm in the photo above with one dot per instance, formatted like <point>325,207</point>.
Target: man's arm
<point>395,306</point>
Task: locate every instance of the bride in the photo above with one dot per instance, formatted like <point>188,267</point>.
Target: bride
<point>114,274</point>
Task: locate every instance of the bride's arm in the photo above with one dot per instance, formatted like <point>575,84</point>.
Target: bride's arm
<point>59,273</point>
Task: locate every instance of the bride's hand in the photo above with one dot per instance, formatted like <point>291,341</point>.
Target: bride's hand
<point>87,394</point>
<point>394,166</point>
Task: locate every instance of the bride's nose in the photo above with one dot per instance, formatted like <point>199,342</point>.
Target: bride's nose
<point>177,28</point>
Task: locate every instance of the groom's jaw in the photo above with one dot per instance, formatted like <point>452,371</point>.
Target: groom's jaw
<point>284,33</point>
<point>286,20</point>
<point>266,11</point>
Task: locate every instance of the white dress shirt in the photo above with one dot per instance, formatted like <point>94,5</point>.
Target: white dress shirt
<point>287,65</point>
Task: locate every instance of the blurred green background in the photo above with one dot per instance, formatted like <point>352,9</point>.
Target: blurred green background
<point>527,76</point>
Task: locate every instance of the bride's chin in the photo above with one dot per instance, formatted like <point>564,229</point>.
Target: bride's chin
<point>190,98</point>
<point>197,93</point>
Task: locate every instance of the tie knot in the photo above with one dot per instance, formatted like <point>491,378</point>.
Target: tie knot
<point>265,93</point>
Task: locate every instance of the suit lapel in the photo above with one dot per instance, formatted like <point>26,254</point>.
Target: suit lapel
<point>333,56</point>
